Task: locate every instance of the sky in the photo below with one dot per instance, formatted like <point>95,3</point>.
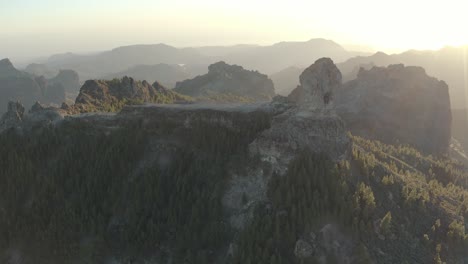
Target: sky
<point>30,28</point>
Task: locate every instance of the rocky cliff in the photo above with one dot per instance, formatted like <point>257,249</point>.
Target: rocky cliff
<point>398,104</point>
<point>223,79</point>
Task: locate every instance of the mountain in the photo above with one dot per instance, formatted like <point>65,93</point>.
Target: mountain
<point>228,80</point>
<point>286,80</point>
<point>122,58</point>
<point>448,64</point>
<point>398,104</point>
<point>69,79</point>
<point>274,58</point>
<point>111,96</point>
<point>26,88</point>
<point>39,69</point>
<point>166,74</point>
<point>268,59</point>
<point>281,182</point>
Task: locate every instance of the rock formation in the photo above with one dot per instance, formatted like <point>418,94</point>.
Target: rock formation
<point>310,122</point>
<point>38,116</point>
<point>317,84</point>
<point>398,104</point>
<point>297,124</point>
<point>225,79</point>
<point>100,94</point>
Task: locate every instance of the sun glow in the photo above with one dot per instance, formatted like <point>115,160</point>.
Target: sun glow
<point>390,26</point>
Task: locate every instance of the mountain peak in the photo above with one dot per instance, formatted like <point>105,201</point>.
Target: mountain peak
<point>6,64</point>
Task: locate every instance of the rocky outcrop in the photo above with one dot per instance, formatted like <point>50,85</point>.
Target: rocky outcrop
<point>398,104</point>
<point>317,84</point>
<point>102,95</point>
<point>310,122</point>
<point>38,116</point>
<point>225,79</point>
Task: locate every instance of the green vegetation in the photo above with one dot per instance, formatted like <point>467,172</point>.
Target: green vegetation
<point>76,192</point>
<point>84,193</point>
<point>420,219</point>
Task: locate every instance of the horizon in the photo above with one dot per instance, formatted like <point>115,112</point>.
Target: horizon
<point>56,27</point>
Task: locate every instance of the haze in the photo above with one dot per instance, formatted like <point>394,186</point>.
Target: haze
<point>40,28</point>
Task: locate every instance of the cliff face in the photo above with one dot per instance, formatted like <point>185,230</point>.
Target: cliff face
<point>398,104</point>
<point>224,79</point>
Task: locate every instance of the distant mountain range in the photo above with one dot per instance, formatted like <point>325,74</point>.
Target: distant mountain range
<point>267,59</point>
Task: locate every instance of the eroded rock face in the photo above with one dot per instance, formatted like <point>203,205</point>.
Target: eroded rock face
<point>317,85</point>
<point>224,79</point>
<point>398,104</point>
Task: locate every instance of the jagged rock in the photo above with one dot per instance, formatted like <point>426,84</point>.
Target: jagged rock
<point>303,249</point>
<point>398,104</point>
<point>13,116</point>
<point>223,79</point>
<point>65,106</point>
<point>317,86</point>
<point>100,93</point>
<point>37,107</point>
<point>311,123</point>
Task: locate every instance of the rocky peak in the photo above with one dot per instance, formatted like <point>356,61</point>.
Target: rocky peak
<point>317,85</point>
<point>307,120</point>
<point>223,79</point>
<point>398,104</point>
<point>102,94</point>
<point>222,67</point>
<point>37,107</point>
<point>7,69</point>
<point>6,63</point>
